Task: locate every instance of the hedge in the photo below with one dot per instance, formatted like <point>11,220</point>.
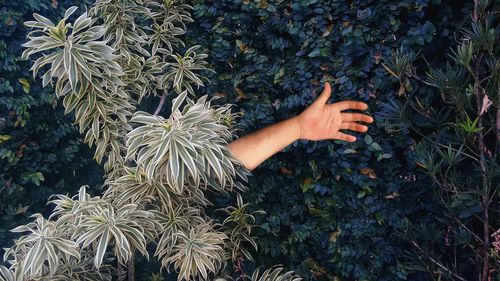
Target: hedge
<point>336,211</point>
<point>41,152</point>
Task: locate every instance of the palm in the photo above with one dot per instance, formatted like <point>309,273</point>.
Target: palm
<point>324,121</point>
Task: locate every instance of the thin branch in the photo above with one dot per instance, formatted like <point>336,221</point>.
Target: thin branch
<point>160,105</point>
<point>440,144</point>
<point>426,137</point>
<point>437,262</point>
<point>422,80</point>
<point>485,202</point>
<point>493,195</point>
<point>466,228</point>
<point>498,124</point>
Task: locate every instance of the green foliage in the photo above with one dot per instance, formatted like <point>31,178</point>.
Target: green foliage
<point>182,74</point>
<point>460,152</point>
<point>87,77</point>
<point>238,225</point>
<point>199,252</point>
<point>362,211</point>
<point>44,242</point>
<point>99,223</point>
<point>40,152</point>
<point>333,209</point>
<point>274,274</point>
<point>91,68</point>
<point>187,145</point>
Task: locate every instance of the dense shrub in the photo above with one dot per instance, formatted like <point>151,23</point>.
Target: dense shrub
<point>157,169</point>
<point>458,147</point>
<point>334,209</point>
<point>41,152</point>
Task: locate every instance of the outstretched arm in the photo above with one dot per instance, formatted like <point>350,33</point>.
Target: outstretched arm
<point>318,122</point>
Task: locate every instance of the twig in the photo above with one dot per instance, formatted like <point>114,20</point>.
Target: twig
<point>498,124</point>
<point>466,228</point>
<point>442,145</point>
<point>160,105</point>
<point>422,80</point>
<point>437,262</point>
<point>485,202</point>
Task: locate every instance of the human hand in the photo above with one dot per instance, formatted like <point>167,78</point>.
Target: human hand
<point>323,121</point>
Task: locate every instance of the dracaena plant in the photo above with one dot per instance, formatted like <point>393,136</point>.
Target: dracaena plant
<point>275,273</point>
<point>102,65</point>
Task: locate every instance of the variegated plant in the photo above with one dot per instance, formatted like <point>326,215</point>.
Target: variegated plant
<point>102,65</point>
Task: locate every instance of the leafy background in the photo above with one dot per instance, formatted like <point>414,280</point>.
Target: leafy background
<point>335,211</point>
<point>41,151</point>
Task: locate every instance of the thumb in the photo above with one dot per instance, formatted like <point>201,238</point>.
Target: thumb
<point>324,96</point>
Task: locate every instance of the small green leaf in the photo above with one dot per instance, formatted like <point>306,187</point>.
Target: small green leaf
<point>349,151</point>
<point>314,53</point>
<point>361,194</point>
<point>368,139</point>
<point>4,138</point>
<point>375,146</point>
<point>26,84</point>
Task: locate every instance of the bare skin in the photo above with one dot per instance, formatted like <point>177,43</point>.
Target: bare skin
<point>319,121</point>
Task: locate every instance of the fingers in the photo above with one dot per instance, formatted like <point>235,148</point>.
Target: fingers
<point>354,117</point>
<point>344,105</point>
<point>344,137</point>
<point>353,126</point>
<point>324,96</point>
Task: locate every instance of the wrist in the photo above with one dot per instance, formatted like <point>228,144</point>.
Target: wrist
<point>295,128</point>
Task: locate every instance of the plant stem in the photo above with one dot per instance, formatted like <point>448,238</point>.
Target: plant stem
<point>131,269</point>
<point>485,200</point>
<point>498,126</point>
<point>160,105</point>
<point>120,272</point>
<point>437,262</point>
<point>440,144</point>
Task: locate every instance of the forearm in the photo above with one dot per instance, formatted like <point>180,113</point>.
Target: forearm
<point>258,146</point>
<point>320,121</point>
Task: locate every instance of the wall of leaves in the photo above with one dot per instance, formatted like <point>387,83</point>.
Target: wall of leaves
<point>335,211</point>
<point>41,152</point>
